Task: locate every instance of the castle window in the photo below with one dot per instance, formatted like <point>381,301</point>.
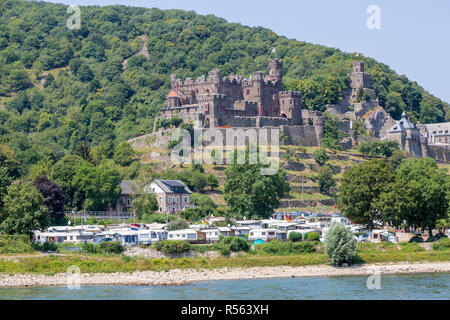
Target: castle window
<point>248,91</point>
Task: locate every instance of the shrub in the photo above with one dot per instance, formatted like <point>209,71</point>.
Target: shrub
<point>111,247</point>
<point>15,244</point>
<point>340,245</point>
<point>276,247</point>
<point>172,247</point>
<point>91,248</point>
<point>295,236</point>
<point>226,245</point>
<point>304,247</point>
<point>104,248</point>
<point>443,244</point>
<point>313,236</point>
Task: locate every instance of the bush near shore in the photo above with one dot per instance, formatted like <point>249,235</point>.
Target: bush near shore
<point>15,244</point>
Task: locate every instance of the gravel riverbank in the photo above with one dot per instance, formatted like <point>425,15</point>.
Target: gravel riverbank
<point>179,277</point>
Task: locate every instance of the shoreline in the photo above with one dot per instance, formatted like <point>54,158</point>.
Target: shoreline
<point>186,276</point>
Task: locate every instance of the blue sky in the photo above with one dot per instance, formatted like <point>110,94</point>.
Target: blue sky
<point>414,38</point>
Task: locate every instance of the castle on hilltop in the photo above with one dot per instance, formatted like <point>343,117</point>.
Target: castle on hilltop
<point>259,101</point>
<point>235,101</point>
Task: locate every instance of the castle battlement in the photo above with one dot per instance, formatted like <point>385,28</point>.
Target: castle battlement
<point>289,93</point>
<point>221,100</point>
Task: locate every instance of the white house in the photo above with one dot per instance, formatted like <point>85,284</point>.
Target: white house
<point>172,195</point>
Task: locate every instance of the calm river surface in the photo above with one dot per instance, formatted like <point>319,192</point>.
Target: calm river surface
<point>404,286</point>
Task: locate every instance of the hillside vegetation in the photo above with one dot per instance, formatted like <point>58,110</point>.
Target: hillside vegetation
<point>60,87</point>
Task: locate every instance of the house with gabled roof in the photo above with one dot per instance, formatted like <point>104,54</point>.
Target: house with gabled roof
<point>172,195</point>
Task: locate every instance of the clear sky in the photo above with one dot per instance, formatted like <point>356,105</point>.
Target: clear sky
<point>414,38</point>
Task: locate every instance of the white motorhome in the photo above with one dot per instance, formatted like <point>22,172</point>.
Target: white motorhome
<point>151,236</point>
<point>63,236</point>
<point>266,234</point>
<point>126,237</point>
<point>212,235</point>
<point>184,234</point>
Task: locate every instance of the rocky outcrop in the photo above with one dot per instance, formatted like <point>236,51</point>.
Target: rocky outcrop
<point>378,122</point>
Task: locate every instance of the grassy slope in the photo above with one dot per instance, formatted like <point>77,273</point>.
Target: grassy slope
<point>107,264</point>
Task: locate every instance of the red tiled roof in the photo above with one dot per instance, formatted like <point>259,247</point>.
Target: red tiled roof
<point>172,93</point>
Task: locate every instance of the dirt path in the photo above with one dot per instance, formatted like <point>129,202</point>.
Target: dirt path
<point>142,52</point>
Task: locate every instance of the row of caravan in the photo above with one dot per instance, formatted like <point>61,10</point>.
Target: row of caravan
<point>129,237</point>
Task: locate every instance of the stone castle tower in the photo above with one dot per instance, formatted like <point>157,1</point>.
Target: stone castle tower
<point>275,70</point>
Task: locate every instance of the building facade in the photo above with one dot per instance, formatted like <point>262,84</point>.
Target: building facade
<point>235,101</point>
<point>172,195</point>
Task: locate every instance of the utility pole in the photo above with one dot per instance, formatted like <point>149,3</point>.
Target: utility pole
<point>303,196</point>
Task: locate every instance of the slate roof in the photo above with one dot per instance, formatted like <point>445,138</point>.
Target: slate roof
<point>169,186</point>
<point>127,186</point>
<point>402,124</point>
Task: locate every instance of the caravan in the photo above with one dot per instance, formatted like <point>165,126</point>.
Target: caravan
<point>267,235</point>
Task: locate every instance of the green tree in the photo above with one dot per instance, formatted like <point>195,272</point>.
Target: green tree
<point>83,150</point>
<point>248,193</point>
<point>212,181</point>
<point>332,135</point>
<point>25,211</point>
<point>123,154</point>
<point>144,202</point>
<point>19,79</point>
<point>427,189</point>
<point>5,182</point>
<point>177,225</point>
<point>340,245</point>
<point>361,189</point>
<point>96,188</point>
<point>321,157</point>
<point>63,173</point>
<point>379,148</point>
<point>325,180</point>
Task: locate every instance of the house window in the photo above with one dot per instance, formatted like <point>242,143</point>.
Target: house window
<point>160,199</point>
<point>185,199</point>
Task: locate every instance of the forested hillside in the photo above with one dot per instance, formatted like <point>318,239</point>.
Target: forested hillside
<point>63,89</point>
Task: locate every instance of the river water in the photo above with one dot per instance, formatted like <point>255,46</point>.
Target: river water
<point>403,286</point>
